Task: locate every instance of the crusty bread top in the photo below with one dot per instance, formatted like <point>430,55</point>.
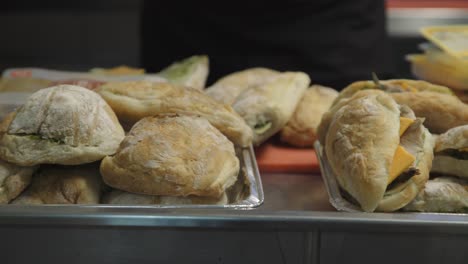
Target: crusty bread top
<point>133,101</point>
<point>13,180</point>
<point>441,111</point>
<point>59,124</point>
<point>54,184</point>
<point>301,129</point>
<point>272,102</point>
<point>362,136</point>
<point>455,138</point>
<point>173,155</point>
<point>393,85</point>
<point>227,88</point>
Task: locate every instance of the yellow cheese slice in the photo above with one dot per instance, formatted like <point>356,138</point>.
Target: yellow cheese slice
<point>463,149</point>
<point>404,124</point>
<point>402,160</point>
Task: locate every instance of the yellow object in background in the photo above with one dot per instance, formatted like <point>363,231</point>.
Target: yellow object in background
<point>439,67</point>
<point>452,39</point>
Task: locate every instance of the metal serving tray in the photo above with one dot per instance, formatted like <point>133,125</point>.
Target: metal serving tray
<point>331,184</point>
<point>246,193</point>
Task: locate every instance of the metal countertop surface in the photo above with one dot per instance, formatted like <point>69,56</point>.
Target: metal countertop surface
<point>292,202</point>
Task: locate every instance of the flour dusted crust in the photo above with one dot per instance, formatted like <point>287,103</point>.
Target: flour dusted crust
<point>133,101</point>
<point>361,140</point>
<point>126,198</point>
<point>361,134</point>
<point>173,155</point>
<point>272,103</point>
<point>13,180</point>
<point>64,124</point>
<point>301,129</point>
<point>53,184</point>
<point>227,89</point>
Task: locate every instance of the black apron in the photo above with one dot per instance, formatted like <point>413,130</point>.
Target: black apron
<point>335,42</point>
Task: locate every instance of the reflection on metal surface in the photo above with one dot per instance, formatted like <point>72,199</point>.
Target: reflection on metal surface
<point>408,21</point>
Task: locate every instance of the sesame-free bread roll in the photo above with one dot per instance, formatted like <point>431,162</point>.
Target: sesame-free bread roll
<point>189,72</point>
<point>13,180</point>
<point>267,108</point>
<point>443,195</point>
<point>436,103</point>
<point>301,129</point>
<point>173,155</point>
<point>378,150</point>
<point>451,153</point>
<point>126,198</point>
<point>227,88</point>
<point>133,101</point>
<point>54,184</point>
<point>64,124</point>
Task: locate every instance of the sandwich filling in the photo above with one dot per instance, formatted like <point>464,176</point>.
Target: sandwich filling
<point>405,160</point>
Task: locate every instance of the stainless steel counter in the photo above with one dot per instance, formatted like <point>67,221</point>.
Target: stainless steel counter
<point>296,224</point>
<point>292,202</point>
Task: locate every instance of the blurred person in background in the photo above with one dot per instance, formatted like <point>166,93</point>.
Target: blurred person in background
<point>335,42</point>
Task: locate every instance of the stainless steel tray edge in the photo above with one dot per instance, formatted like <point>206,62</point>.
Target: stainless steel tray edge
<point>331,184</point>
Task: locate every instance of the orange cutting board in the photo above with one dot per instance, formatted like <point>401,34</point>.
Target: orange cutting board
<point>273,156</point>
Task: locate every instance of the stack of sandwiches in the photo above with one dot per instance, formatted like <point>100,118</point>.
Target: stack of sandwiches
<point>66,145</point>
<point>398,145</point>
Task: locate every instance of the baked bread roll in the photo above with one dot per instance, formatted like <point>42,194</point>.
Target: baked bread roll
<point>379,151</point>
<point>451,153</point>
<point>437,104</point>
<point>226,89</point>
<point>441,111</point>
<point>54,184</point>
<point>189,72</point>
<point>173,155</point>
<point>13,180</point>
<point>442,195</point>
<point>126,198</point>
<point>132,101</point>
<point>64,124</point>
<point>301,129</point>
<point>267,108</point>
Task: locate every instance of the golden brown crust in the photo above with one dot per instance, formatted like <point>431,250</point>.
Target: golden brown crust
<point>133,101</point>
<point>13,180</point>
<point>441,111</point>
<point>393,85</point>
<point>54,184</point>
<point>175,156</point>
<point>301,129</point>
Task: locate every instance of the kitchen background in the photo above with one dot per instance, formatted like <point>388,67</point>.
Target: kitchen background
<point>55,34</point>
